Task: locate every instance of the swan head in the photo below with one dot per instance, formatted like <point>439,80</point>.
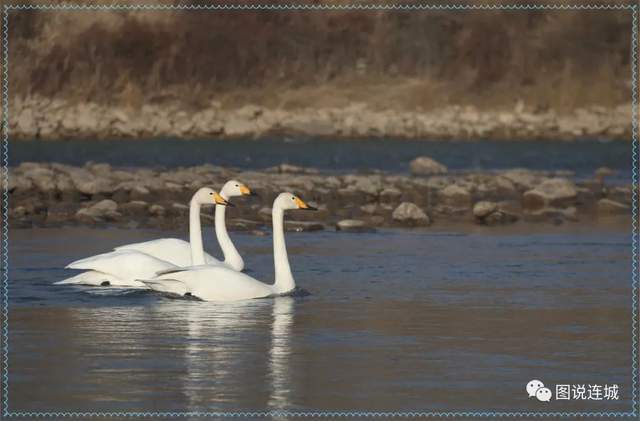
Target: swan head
<point>234,188</point>
<point>207,196</point>
<point>288,201</point>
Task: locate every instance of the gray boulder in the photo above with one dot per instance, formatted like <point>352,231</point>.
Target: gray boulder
<point>553,192</point>
<point>353,225</point>
<point>455,196</point>
<point>424,165</point>
<point>484,208</point>
<point>611,207</point>
<point>103,210</point>
<point>390,195</point>
<point>410,214</point>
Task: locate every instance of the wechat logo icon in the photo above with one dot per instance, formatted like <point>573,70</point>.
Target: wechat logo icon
<point>535,388</point>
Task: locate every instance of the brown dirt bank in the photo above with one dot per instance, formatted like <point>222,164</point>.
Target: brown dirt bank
<point>42,194</point>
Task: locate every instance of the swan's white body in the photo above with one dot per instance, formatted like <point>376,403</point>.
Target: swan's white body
<point>125,267</point>
<point>179,252</point>
<point>172,250</point>
<point>217,283</point>
<point>118,268</point>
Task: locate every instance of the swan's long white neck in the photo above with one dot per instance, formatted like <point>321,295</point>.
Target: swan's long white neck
<point>231,255</point>
<point>195,234</point>
<point>284,279</point>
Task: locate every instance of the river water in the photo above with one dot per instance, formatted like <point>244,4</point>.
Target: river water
<point>389,155</point>
<point>396,320</point>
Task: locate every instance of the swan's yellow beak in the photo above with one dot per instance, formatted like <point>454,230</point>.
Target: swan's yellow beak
<point>302,205</point>
<point>219,200</point>
<point>246,191</point>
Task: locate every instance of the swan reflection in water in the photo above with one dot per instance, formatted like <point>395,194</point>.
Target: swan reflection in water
<point>280,352</point>
<point>236,355</point>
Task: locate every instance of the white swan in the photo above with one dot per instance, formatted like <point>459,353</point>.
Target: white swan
<point>179,252</point>
<point>126,267</point>
<point>217,283</point>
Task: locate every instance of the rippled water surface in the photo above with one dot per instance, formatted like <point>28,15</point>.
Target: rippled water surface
<point>337,155</point>
<point>395,320</point>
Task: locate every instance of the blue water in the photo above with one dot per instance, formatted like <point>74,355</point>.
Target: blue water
<point>336,155</point>
<point>396,320</point>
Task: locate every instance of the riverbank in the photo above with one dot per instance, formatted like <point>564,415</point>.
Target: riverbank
<point>42,194</point>
<point>51,119</point>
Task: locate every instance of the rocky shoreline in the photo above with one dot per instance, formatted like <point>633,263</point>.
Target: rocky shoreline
<point>50,119</point>
<point>50,194</point>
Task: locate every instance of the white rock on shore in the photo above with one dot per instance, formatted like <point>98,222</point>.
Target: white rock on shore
<point>410,213</point>
<point>424,165</point>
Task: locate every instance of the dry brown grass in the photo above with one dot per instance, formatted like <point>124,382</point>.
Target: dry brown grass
<point>559,59</point>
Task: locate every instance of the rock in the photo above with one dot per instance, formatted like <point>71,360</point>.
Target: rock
<point>554,192</point>
<point>390,195</point>
<point>135,207</point>
<point>499,217</point>
<point>238,224</point>
<point>494,188</point>
<point>157,210</point>
<point>19,183</point>
<point>353,225</point>
<point>522,178</point>
<point>43,179</point>
<point>100,211</point>
<point>611,207</point>
<point>19,211</point>
<point>603,172</point>
<point>369,185</point>
<point>410,214</point>
<point>311,125</point>
<point>238,126</point>
<point>622,194</point>
<point>303,226</point>
<point>556,216</point>
<point>87,183</point>
<point>424,165</point>
<point>484,208</point>
<point>250,111</point>
<point>369,209</point>
<point>265,214</point>
<point>291,169</point>
<point>455,196</point>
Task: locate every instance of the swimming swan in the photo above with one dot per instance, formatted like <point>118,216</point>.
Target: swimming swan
<point>217,283</point>
<point>179,252</point>
<point>126,267</point>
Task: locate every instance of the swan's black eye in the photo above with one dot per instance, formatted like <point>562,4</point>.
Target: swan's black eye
<point>293,198</point>
<point>237,185</point>
<point>210,194</point>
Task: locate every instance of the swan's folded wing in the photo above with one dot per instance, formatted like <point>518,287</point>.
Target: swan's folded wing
<point>123,264</point>
<point>87,278</point>
<point>170,286</point>
<point>182,269</point>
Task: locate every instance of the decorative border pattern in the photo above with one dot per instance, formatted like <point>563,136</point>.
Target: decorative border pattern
<point>634,200</point>
<point>4,250</point>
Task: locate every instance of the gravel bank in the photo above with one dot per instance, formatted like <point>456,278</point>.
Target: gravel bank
<point>50,194</point>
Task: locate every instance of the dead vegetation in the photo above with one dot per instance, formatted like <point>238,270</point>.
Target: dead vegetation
<point>388,59</point>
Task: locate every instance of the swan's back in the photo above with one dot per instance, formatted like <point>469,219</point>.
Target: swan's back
<point>123,264</point>
<point>218,283</point>
<point>172,250</point>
